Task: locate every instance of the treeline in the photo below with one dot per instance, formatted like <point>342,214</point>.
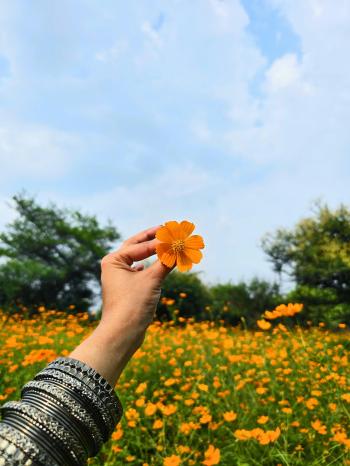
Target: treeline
<point>51,257</point>
<point>185,295</point>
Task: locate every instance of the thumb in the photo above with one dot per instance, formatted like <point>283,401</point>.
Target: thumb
<point>158,270</point>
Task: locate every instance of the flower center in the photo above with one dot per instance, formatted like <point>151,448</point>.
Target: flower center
<point>178,245</point>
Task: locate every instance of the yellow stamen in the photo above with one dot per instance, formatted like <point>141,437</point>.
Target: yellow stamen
<point>178,245</point>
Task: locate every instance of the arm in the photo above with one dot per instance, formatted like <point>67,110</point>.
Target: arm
<point>70,408</point>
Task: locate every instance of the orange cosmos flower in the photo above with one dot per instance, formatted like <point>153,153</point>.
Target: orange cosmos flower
<point>212,456</point>
<point>177,247</point>
<point>263,324</point>
<point>172,460</point>
<point>230,416</point>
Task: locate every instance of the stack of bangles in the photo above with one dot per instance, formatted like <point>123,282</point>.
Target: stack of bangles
<point>65,415</point>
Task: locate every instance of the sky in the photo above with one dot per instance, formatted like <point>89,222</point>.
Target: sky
<point>233,114</point>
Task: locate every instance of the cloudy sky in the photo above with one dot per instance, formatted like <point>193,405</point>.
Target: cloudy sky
<point>233,114</point>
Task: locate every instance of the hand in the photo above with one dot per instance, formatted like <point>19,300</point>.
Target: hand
<point>130,296</point>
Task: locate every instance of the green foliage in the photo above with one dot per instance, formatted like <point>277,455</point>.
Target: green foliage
<point>316,254</point>
<point>229,302</point>
<point>52,256</point>
<point>192,305</point>
<point>248,300</point>
<point>320,305</point>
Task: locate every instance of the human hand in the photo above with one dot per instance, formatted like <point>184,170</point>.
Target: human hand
<point>130,296</point>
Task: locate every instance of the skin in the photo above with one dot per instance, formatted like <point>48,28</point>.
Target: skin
<point>130,296</point>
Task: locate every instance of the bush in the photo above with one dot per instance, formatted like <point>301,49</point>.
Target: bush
<point>232,302</point>
<point>183,294</point>
<point>320,305</point>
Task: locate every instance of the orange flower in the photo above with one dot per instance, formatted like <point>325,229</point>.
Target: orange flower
<point>263,324</point>
<point>242,434</point>
<point>177,247</point>
<point>118,434</point>
<point>212,456</point>
<point>230,416</point>
<point>150,409</point>
<point>203,387</point>
<point>311,403</point>
<point>158,424</point>
<point>263,419</point>
<point>172,460</point>
<point>168,410</point>
<point>205,419</point>
<point>319,427</point>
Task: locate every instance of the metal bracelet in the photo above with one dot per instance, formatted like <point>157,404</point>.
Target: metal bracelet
<point>84,396</point>
<point>56,439</point>
<point>60,396</point>
<point>29,428</point>
<point>44,404</point>
<point>11,439</point>
<point>86,369</point>
<point>92,380</point>
<point>66,414</point>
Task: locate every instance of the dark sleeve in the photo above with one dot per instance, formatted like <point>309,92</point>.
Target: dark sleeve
<point>65,415</point>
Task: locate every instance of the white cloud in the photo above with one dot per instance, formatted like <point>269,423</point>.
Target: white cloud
<point>35,152</point>
<point>200,130</point>
<point>229,15</point>
<point>151,34</point>
<point>284,72</point>
<point>112,54</point>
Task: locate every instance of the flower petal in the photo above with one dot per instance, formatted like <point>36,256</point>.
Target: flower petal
<point>162,248</point>
<point>186,228</point>
<point>194,242</point>
<point>163,234</point>
<point>194,255</point>
<point>174,229</point>
<point>183,262</point>
<point>168,258</point>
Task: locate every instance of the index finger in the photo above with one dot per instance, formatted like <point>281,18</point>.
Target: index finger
<point>145,235</point>
<point>133,252</point>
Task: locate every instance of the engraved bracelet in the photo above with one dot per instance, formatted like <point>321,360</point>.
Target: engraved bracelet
<point>66,413</point>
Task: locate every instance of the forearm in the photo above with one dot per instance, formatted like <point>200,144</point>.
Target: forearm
<point>107,350</point>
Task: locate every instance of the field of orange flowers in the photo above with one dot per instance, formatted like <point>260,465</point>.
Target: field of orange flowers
<point>206,394</point>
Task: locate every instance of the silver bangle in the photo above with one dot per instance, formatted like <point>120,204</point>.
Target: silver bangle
<point>92,380</point>
<point>85,397</point>
<point>51,433</point>
<point>33,455</point>
<point>84,419</point>
<point>66,414</point>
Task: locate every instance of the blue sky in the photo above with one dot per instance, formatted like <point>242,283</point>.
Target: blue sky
<point>230,113</point>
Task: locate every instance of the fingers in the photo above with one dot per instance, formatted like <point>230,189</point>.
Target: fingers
<point>135,252</point>
<point>137,248</point>
<point>145,235</point>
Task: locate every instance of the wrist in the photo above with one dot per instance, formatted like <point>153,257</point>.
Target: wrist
<point>107,350</point>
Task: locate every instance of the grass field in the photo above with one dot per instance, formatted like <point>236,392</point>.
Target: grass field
<point>203,393</point>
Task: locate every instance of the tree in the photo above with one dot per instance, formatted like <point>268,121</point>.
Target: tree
<point>52,257</point>
<point>247,300</point>
<point>316,255</point>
